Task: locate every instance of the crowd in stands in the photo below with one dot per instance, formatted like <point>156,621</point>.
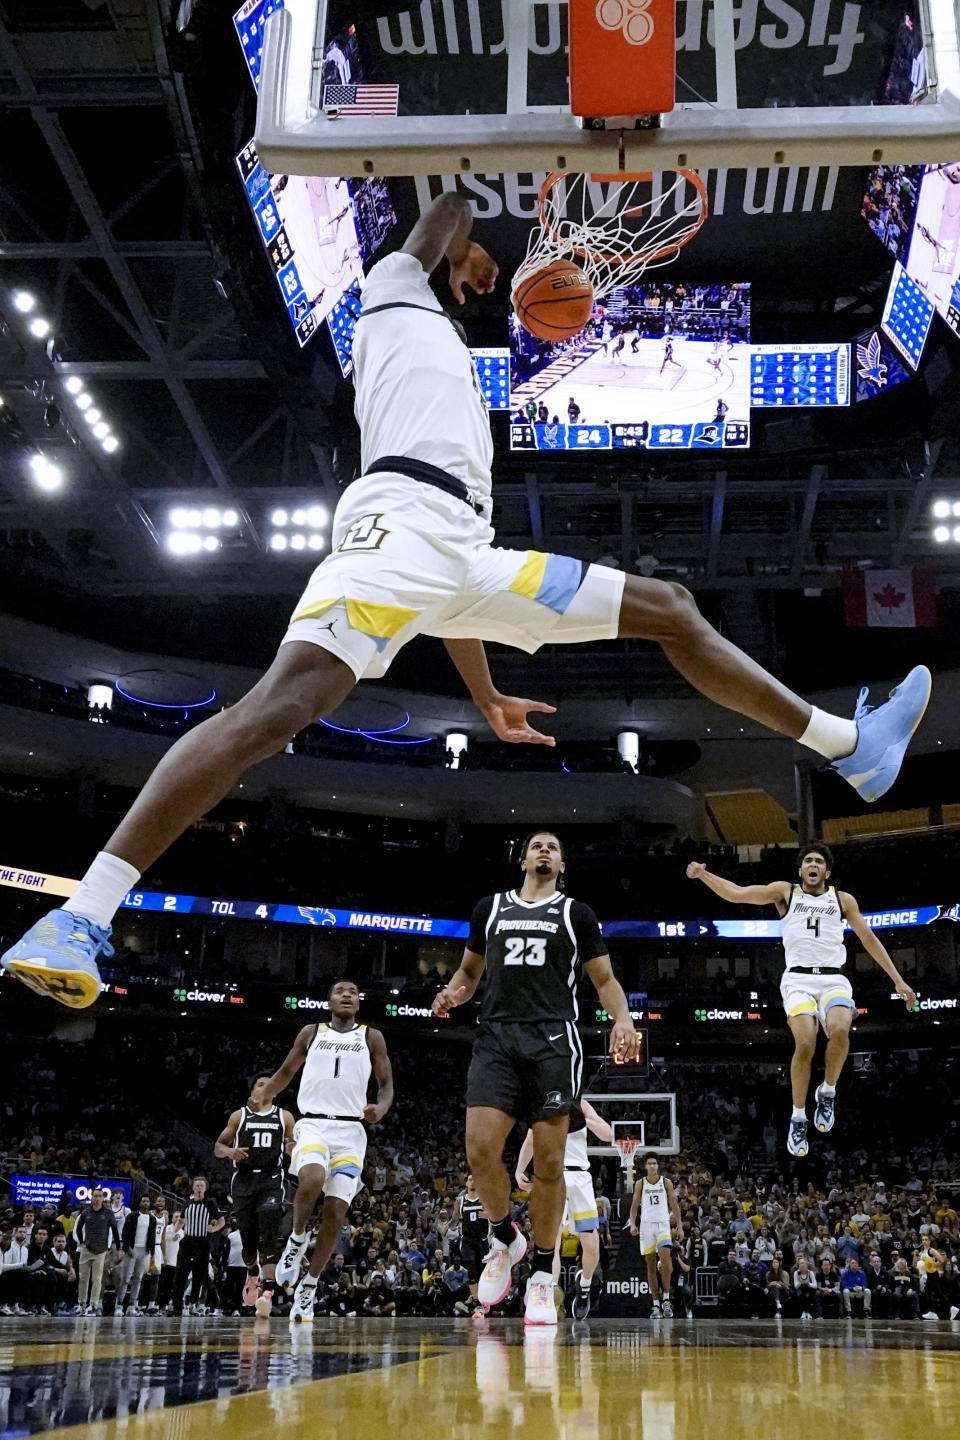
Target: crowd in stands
<point>870,1223</point>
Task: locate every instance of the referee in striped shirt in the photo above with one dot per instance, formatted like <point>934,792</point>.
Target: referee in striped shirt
<point>194,1256</point>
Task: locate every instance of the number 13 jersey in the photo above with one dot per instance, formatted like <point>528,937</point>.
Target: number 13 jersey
<point>813,930</point>
<point>533,951</point>
<point>336,1073</point>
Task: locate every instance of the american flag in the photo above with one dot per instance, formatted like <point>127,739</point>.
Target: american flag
<point>361,99</point>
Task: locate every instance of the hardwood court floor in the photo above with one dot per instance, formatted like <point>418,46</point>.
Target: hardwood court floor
<point>143,1379</point>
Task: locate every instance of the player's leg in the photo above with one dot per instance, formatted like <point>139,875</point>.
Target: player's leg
<point>333,1218</point>
<point>269,1214</point>
<point>58,955</point>
<point>803,1026</point>
<point>486,1133</point>
<point>665,1257</point>
<point>649,1253</point>
<point>311,1175</point>
<point>547,1200</point>
<point>245,1215</point>
<point>867,750</point>
<point>838,1011</point>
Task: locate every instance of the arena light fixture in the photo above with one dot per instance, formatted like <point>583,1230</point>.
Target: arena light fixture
<point>24,302</point>
<point>955,509</point>
<point>92,415</point>
<point>298,542</point>
<point>211,518</point>
<point>101,429</point>
<point>941,534</point>
<point>211,542</point>
<point>230,517</point>
<point>316,516</point>
<point>84,401</point>
<point>956,533</point>
<point>110,443</point>
<point>941,509</point>
<point>47,476</point>
<point>278,542</point>
<point>279,518</point>
<point>315,542</point>
<point>73,384</point>
<point>39,328</point>
<point>299,517</point>
<point>184,542</point>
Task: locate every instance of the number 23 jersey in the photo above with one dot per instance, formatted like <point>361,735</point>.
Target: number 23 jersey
<point>533,951</point>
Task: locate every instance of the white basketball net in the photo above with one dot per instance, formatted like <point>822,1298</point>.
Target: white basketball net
<point>614,226</point>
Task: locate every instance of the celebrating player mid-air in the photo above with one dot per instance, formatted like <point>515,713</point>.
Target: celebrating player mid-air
<point>813,985</point>
<point>527,1062</point>
<point>413,553</point>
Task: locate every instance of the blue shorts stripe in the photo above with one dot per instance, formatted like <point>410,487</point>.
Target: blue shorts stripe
<point>843,1000</point>
<point>562,578</point>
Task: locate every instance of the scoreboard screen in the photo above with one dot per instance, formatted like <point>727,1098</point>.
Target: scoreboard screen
<point>933,259</point>
<point>789,375</point>
<point>877,366</point>
<point>660,365</point>
<point>907,315</point>
<point>492,364</point>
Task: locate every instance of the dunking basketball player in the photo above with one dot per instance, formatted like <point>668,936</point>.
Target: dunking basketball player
<point>655,1199</point>
<point>412,552</point>
<point>255,1138</point>
<point>580,1212</point>
<point>527,1060</point>
<point>329,1139</point>
<point>813,985</point>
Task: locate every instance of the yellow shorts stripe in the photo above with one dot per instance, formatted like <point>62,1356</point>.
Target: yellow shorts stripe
<point>803,1007</point>
<point>529,577</point>
<point>345,1160</point>
<point>317,1145</point>
<point>314,611</point>
<point>380,621</point>
<point>834,994</point>
<point>585,1214</point>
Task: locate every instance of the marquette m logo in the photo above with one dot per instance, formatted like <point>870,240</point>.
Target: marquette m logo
<point>630,16</point>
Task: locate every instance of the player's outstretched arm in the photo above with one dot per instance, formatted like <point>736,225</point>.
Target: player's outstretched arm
<point>505,714</point>
<point>875,948</point>
<point>223,1146</point>
<point>624,1041</point>
<point>776,894</point>
<point>523,1160</point>
<point>444,230</point>
<point>596,1123</point>
<point>291,1065</point>
<point>460,987</point>
<point>383,1071</point>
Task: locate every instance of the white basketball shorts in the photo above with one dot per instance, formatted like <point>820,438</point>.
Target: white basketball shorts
<point>653,1237</point>
<point>580,1214</point>
<point>339,1146</point>
<point>815,994</point>
<point>408,559</point>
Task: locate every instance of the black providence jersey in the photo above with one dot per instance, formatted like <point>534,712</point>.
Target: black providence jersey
<point>533,950</point>
<point>262,1137</point>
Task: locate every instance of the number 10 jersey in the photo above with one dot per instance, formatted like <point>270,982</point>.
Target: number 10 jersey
<point>533,951</point>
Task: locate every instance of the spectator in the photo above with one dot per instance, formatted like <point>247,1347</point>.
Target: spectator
<point>456,1279</point>
<point>828,1288</point>
<point>139,1240</point>
<point>731,1287</point>
<point>879,1282</point>
<point>854,1286</point>
<point>778,1282</point>
<point>170,1250</point>
<point>13,1270</point>
<point>905,1301</point>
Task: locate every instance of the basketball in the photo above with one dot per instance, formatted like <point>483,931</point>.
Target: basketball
<point>554,303</point>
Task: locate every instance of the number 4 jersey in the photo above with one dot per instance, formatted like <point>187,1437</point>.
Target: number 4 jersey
<point>533,950</point>
<point>813,930</point>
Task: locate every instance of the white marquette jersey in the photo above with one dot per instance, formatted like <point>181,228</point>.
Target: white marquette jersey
<point>336,1073</point>
<point>653,1204</point>
<point>575,1155</point>
<point>813,930</point>
<point>417,392</point>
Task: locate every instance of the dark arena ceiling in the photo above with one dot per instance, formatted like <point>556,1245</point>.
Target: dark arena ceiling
<point>122,213</point>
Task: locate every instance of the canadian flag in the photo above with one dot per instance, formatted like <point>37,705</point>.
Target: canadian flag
<point>889,599</point>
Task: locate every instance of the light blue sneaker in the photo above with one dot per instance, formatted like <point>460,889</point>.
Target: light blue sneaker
<point>884,734</point>
<point>58,957</point>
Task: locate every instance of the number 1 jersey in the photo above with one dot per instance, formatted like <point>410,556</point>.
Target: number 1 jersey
<point>533,951</point>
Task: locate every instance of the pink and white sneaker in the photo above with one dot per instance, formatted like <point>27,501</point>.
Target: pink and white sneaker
<point>497,1276</point>
<point>540,1307</point>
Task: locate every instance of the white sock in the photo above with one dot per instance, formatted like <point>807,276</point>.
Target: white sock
<point>298,1236</point>
<point>798,1114</point>
<point>98,896</point>
<point>586,1284</point>
<point>831,736</point>
<point>828,1090</point>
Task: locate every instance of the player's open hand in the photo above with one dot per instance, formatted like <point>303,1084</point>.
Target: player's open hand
<point>624,1043</point>
<point>474,268</point>
<point>507,717</point>
<point>523,1180</point>
<point>907,995</point>
<point>696,870</point>
<point>446,999</point>
<point>239,1152</point>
